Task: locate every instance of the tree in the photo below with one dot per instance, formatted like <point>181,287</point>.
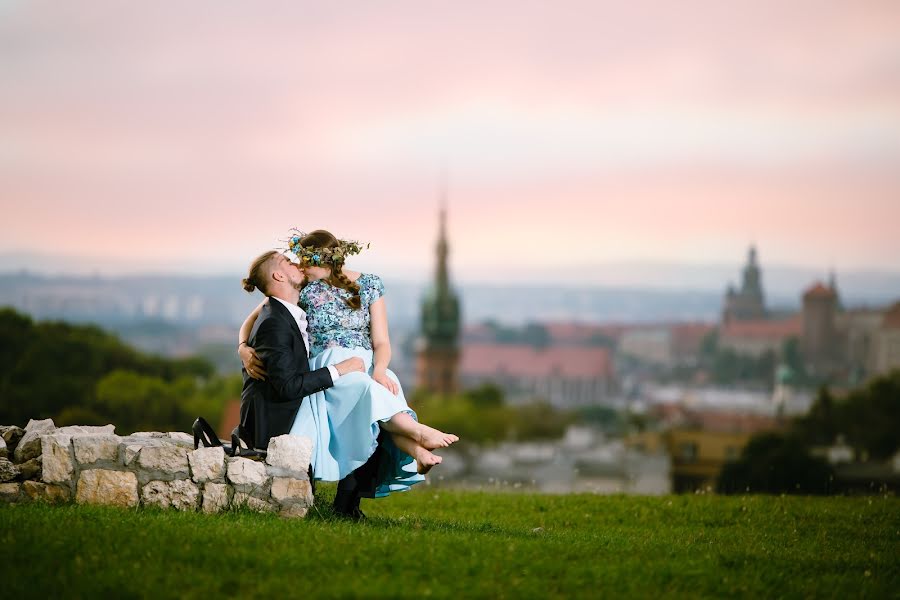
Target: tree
<point>775,463</point>
<point>54,370</point>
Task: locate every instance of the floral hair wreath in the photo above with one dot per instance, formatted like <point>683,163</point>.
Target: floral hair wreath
<point>310,256</point>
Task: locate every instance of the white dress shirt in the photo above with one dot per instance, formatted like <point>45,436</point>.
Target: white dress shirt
<point>300,317</point>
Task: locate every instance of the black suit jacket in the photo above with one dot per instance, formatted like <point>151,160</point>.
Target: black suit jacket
<point>268,408</point>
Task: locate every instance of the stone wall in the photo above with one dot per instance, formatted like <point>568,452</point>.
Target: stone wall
<point>92,465</point>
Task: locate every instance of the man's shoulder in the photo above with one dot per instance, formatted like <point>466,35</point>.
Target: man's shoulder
<point>271,317</point>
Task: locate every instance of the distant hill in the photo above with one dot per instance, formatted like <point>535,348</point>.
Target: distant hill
<point>199,301</point>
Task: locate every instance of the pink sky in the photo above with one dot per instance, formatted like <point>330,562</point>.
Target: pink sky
<point>161,132</point>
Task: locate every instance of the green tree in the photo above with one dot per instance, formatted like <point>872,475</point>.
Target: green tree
<point>775,463</point>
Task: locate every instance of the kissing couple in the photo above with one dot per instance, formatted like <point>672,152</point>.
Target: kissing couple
<point>315,357</point>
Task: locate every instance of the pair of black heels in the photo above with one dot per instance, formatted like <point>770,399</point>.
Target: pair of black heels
<point>206,436</point>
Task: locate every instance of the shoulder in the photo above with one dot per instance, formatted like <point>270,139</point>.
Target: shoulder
<point>369,280</point>
<point>272,321</point>
<point>372,284</point>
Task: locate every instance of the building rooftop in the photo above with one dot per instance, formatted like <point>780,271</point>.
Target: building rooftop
<point>486,359</point>
<point>764,328</point>
<point>819,290</point>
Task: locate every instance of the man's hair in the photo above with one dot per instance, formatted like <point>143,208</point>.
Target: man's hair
<point>260,275</point>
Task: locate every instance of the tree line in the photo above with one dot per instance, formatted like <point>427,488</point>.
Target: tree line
<point>81,374</point>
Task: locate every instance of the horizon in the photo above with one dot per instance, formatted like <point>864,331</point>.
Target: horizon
<point>782,283</point>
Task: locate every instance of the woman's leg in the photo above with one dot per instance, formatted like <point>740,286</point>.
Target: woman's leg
<point>426,436</point>
<point>424,458</point>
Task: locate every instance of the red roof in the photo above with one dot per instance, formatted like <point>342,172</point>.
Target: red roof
<point>676,415</point>
<point>732,422</point>
<point>768,329</point>
<point>581,333</point>
<point>687,337</point>
<point>819,290</point>
<point>527,361</point>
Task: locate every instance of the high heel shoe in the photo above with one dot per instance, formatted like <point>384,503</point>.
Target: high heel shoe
<point>240,448</point>
<point>205,435</point>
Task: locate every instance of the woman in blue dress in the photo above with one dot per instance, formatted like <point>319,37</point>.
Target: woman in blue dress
<point>346,317</point>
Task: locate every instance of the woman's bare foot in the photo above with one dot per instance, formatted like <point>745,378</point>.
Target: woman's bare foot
<point>431,438</point>
<point>425,460</point>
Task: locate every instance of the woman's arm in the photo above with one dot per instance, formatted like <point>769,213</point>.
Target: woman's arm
<point>381,345</point>
<point>249,358</point>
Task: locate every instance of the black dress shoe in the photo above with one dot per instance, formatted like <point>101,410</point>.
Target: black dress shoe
<point>355,515</point>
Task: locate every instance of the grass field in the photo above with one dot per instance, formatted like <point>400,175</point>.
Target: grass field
<point>439,543</point>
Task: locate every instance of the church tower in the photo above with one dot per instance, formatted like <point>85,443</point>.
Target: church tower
<point>748,303</point>
<point>438,359</point>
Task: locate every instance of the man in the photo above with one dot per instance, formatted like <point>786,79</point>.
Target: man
<point>279,336</point>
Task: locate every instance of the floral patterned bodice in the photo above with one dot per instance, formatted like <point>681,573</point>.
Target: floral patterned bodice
<point>331,321</point>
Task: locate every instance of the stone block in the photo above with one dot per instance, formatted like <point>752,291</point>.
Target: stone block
<point>30,444</point>
<point>242,499</point>
<point>4,450</point>
<point>8,471</point>
<point>94,448</point>
<point>40,425</point>
<point>290,454</point>
<point>87,430</point>
<point>243,471</point>
<point>31,469</point>
<point>9,492</point>
<point>56,458</point>
<point>288,491</point>
<point>149,434</point>
<point>130,453</point>
<point>216,497</point>
<point>207,464</point>
<point>101,486</point>
<point>172,460</point>
<point>181,438</point>
<point>293,511</point>
<point>45,492</point>
<point>181,494</point>
<point>11,435</point>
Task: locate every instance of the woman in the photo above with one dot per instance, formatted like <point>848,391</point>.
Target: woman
<point>347,317</point>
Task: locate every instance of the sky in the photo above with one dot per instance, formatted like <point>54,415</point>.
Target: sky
<point>194,135</point>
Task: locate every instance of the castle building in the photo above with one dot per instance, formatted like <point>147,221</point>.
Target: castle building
<point>438,357</point>
<point>820,338</point>
<point>748,303</point>
<point>746,327</point>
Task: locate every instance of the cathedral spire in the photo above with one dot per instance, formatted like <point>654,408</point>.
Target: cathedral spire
<point>439,354</point>
<point>442,275</point>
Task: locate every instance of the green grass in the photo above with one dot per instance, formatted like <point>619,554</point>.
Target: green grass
<point>440,543</point>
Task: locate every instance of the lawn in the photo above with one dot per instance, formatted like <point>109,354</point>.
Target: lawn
<point>441,543</point>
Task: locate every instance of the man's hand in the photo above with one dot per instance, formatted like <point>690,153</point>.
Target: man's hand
<point>350,365</point>
<point>252,363</point>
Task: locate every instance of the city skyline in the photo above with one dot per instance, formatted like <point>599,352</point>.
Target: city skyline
<point>584,134</point>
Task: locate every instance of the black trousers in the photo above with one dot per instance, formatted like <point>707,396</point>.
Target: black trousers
<point>361,483</point>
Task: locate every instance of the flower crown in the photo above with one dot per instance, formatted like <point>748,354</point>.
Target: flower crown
<point>311,256</point>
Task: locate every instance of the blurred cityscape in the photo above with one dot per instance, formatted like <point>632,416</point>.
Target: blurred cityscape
<point>657,398</point>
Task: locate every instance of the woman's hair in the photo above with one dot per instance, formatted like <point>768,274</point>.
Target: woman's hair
<point>324,239</point>
<point>260,272</point>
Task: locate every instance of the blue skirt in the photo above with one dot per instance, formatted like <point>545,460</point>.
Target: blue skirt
<point>343,422</point>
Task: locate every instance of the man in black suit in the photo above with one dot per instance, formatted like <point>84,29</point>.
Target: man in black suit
<point>269,406</point>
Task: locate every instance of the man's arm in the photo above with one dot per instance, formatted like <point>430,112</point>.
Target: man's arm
<point>274,345</point>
